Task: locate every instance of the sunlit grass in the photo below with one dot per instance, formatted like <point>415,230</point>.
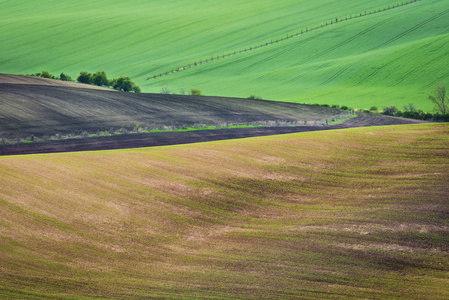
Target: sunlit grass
<point>392,57</point>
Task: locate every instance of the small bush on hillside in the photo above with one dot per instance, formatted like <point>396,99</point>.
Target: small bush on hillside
<point>373,108</point>
<point>390,110</point>
<point>99,78</point>
<point>344,107</point>
<point>136,88</point>
<point>46,74</point>
<point>410,107</point>
<point>254,97</point>
<point>195,92</point>
<point>65,77</point>
<point>123,83</point>
<point>84,77</point>
<point>165,91</point>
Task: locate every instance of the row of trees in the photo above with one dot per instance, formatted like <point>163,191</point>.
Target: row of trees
<point>46,74</point>
<point>438,97</point>
<point>122,83</point>
<point>411,113</point>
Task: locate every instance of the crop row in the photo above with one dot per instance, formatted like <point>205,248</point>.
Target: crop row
<point>278,40</point>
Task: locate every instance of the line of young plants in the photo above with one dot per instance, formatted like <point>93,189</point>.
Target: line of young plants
<point>287,36</point>
<point>99,78</point>
<point>172,128</point>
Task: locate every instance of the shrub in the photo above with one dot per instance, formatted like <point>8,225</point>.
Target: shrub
<point>84,77</point>
<point>136,88</point>
<point>254,97</point>
<point>390,110</point>
<point>195,92</point>
<point>165,91</point>
<point>125,84</point>
<point>46,74</point>
<point>410,107</point>
<point>99,78</point>
<point>65,77</point>
<point>344,107</point>
<point>373,108</point>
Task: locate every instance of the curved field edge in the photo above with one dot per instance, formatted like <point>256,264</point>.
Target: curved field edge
<point>41,109</point>
<point>393,58</point>
<point>302,215</point>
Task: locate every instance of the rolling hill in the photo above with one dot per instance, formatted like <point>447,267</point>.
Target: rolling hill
<point>295,216</point>
<point>395,56</point>
<point>44,107</point>
<point>344,213</point>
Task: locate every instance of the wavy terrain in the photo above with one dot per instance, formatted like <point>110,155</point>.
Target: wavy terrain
<point>392,57</point>
<point>353,213</point>
<point>42,109</point>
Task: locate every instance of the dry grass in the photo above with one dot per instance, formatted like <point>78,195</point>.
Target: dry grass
<point>347,213</point>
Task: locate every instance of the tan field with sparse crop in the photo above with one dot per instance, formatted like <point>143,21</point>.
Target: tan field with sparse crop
<point>337,214</point>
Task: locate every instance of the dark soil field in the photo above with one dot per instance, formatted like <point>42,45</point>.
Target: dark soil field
<point>44,107</point>
<point>186,137</point>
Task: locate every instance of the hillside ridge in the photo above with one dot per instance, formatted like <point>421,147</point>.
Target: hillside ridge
<point>287,36</point>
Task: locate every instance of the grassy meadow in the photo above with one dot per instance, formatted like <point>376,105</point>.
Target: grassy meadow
<point>294,216</point>
<point>392,57</point>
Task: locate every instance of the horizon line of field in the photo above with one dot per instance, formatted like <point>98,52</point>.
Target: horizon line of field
<point>145,128</point>
<point>218,57</point>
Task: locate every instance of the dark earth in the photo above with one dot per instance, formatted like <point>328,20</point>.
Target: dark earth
<point>44,107</point>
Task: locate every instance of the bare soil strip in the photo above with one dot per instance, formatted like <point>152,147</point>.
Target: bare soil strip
<point>175,138</point>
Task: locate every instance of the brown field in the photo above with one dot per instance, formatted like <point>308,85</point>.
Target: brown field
<point>45,108</point>
<point>352,213</point>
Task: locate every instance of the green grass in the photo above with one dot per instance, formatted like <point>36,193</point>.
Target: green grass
<point>394,57</point>
<point>294,216</point>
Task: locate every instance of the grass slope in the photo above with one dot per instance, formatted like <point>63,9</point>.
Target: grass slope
<point>393,57</point>
<point>303,215</point>
<point>360,62</point>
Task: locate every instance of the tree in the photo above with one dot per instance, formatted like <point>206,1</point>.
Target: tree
<point>65,77</point>
<point>46,74</point>
<point>123,83</point>
<point>195,92</point>
<point>136,88</point>
<point>440,99</point>
<point>84,77</point>
<point>410,107</point>
<point>390,110</point>
<point>99,78</point>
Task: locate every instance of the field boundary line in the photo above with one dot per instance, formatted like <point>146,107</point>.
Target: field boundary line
<point>272,42</point>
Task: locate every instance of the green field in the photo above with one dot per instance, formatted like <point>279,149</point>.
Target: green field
<point>395,57</point>
<point>295,216</point>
